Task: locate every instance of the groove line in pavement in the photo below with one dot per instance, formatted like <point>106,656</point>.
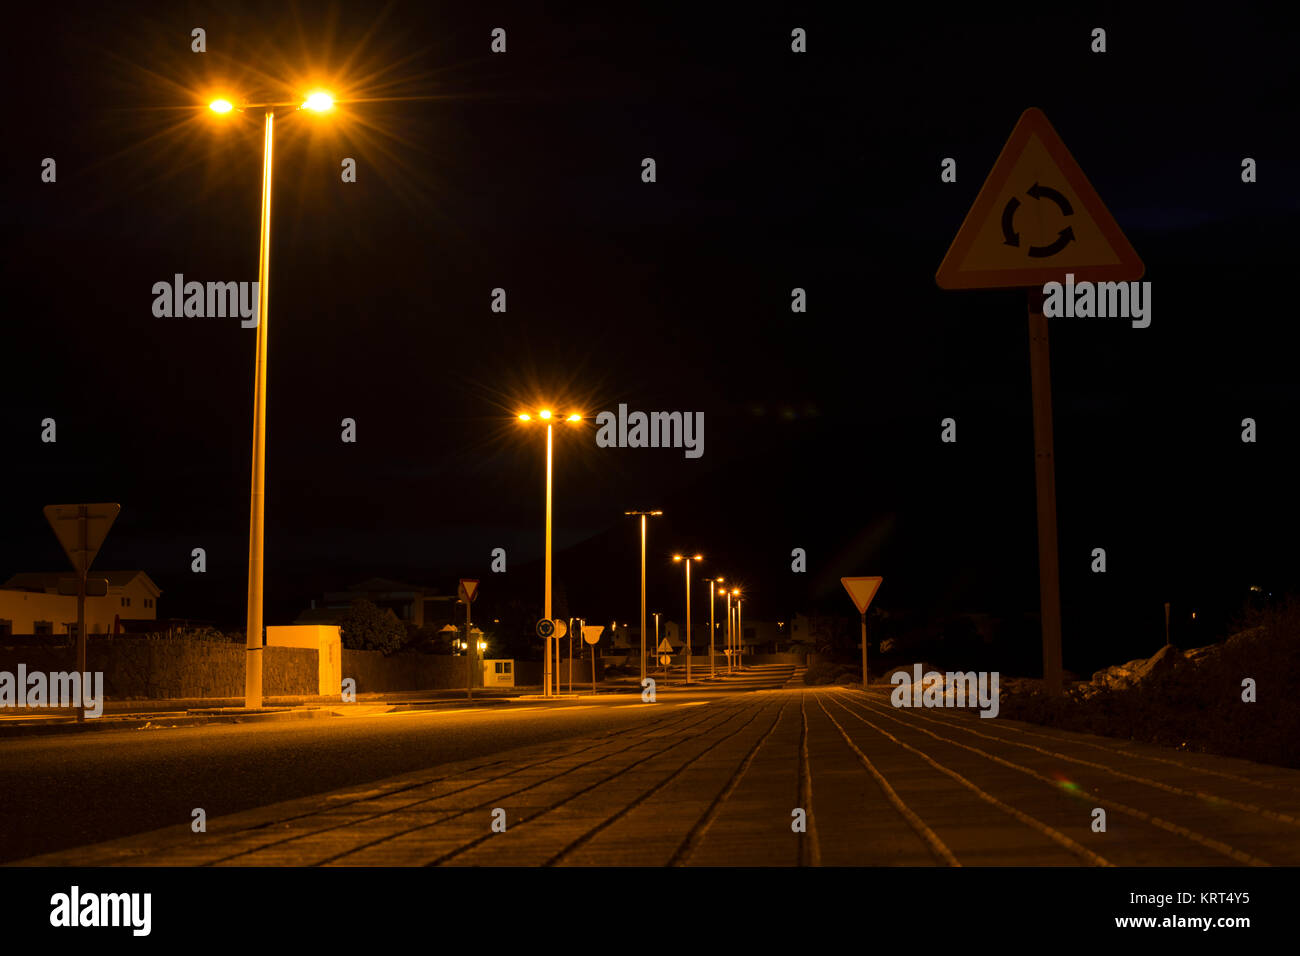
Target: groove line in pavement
<point>1200,838</point>
<point>690,843</point>
<point>810,850</point>
<point>937,846</point>
<point>452,854</point>
<point>1134,755</point>
<point>958,724</point>
<point>631,805</point>
<point>1053,834</point>
<point>684,721</point>
<point>603,739</point>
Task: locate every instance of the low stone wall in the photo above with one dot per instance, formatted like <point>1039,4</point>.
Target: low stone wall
<point>161,668</point>
<point>154,668</point>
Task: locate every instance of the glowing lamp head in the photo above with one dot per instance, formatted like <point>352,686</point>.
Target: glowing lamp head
<point>525,418</point>
<point>220,106</point>
<point>677,557</point>
<point>697,557</point>
<point>544,414</point>
<point>319,101</point>
<point>575,417</point>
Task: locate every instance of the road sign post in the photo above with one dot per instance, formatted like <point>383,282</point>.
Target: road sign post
<point>1049,569</point>
<point>81,530</point>
<point>591,634</point>
<point>560,630</point>
<point>545,630</point>
<point>862,590</point>
<point>467,590</point>
<point>1036,220</point>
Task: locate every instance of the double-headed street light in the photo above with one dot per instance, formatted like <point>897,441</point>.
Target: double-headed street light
<point>712,627</point>
<point>317,101</point>
<point>547,416</point>
<point>740,632</point>
<point>731,639</point>
<point>688,560</point>
<point>644,515</point>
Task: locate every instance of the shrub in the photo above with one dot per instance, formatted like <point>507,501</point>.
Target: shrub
<point>366,627</point>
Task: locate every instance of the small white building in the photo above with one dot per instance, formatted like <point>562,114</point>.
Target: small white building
<point>499,673</point>
<point>30,603</point>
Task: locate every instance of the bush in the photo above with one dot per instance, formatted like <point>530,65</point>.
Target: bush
<point>367,627</point>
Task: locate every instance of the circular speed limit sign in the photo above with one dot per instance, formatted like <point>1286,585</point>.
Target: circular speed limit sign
<point>545,627</point>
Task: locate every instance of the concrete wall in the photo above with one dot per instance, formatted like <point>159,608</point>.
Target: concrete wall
<point>140,667</point>
<point>323,638</point>
<point>159,668</point>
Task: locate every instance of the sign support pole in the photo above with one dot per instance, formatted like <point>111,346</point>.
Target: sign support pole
<point>1049,583</point>
<point>83,523</point>
<point>864,650</point>
<point>469,655</point>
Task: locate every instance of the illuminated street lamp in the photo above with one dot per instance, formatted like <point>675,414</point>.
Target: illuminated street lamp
<point>547,416</point>
<point>740,631</point>
<point>644,515</point>
<point>688,560</point>
<point>731,642</point>
<point>712,626</point>
<point>319,102</point>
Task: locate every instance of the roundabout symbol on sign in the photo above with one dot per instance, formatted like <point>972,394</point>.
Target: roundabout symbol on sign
<point>545,627</point>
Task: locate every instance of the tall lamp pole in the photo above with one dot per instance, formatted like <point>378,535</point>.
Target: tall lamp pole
<point>712,626</point>
<point>546,416</point>
<point>317,102</point>
<point>644,515</point>
<point>688,560</point>
<point>740,632</point>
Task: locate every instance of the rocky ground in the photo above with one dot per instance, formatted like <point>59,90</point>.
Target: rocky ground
<point>1236,698</point>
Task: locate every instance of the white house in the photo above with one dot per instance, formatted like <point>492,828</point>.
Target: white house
<point>30,603</point>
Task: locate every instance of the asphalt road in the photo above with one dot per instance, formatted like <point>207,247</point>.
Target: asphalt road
<point>70,790</point>
<point>709,777</point>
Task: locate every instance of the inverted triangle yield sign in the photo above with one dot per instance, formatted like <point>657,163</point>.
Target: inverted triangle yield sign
<point>68,522</point>
<point>1036,218</point>
<point>862,590</point>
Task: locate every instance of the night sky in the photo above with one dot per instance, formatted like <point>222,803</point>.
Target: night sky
<point>775,170</point>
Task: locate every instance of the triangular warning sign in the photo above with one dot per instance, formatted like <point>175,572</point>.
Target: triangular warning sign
<point>81,529</point>
<point>862,590</point>
<point>664,647</point>
<point>1036,218</point>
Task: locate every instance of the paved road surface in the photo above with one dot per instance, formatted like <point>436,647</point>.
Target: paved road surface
<point>714,778</point>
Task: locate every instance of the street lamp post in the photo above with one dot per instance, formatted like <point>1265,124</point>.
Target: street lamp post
<point>546,416</point>
<point>688,560</point>
<point>740,632</point>
<point>644,515</point>
<point>712,626</point>
<point>317,102</point>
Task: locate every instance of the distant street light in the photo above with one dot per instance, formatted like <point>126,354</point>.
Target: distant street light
<point>712,626</point>
<point>740,631</point>
<point>316,101</point>
<point>644,515</point>
<point>546,416</point>
<point>688,560</point>
<point>731,630</point>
